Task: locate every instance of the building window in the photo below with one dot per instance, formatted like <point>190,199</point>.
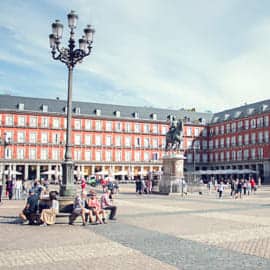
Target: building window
<point>9,120</point>
<point>155,156</point>
<point>260,137</point>
<point>266,121</point>
<point>77,124</point>
<point>266,136</point>
<point>20,153</point>
<point>216,143</point>
<point>146,128</point>
<point>98,125</point>
<point>118,126</point>
<point>204,144</point>
<point>87,155</point>
<point>222,156</point>
<point>108,126</point>
<point>233,141</point>
<point>88,124</point>
<point>205,158</point>
<point>216,156</point>
<point>146,142</point>
<point>253,153</point>
<point>128,127</point>
<point>128,141</point>
<point>44,137</point>
<point>228,142</point>
<point>246,139</point>
<point>216,131</point>
<point>87,139</point>
<point>44,154</point>
<point>138,142</point>
<point>228,156</point>
<point>108,155</point>
<point>253,123</point>
<point>32,154</point>
<point>118,141</point>
<point>155,143</point>
<point>21,121</point>
<point>197,131</point>
<point>137,128</point>
<point>44,122</point>
<point>155,129</point>
<point>240,141</point>
<point>222,142</point>
<point>56,138</point>
<point>137,156</point>
<point>127,156</point>
<point>239,155</point>
<point>109,140</point>
<point>260,153</point>
<point>77,155</point>
<point>253,138</point>
<point>55,154</point>
<point>77,139</point>
<point>204,132</point>
<point>189,131</point>
<point>33,121</point>
<point>246,154</point>
<point>56,123</point>
<point>221,130</point>
<point>239,125</point>
<point>260,122</point>
<point>98,140</point>
<point>33,137</point>
<point>118,156</point>
<point>228,128</point>
<point>146,156</point>
<point>21,137</point>
<point>246,124</point>
<point>233,155</point>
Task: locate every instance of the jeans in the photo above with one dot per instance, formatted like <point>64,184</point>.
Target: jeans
<point>112,209</point>
<point>1,189</point>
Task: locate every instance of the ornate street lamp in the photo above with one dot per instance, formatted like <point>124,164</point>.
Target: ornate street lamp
<point>70,57</point>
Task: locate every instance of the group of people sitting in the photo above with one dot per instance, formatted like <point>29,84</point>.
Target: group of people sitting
<point>40,212</point>
<point>42,207</point>
<point>89,207</point>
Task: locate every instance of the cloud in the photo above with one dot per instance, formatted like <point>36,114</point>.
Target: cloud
<point>204,54</point>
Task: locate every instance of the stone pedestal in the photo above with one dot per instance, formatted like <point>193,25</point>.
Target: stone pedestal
<point>173,171</point>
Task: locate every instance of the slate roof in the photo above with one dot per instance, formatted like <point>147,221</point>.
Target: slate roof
<point>242,111</point>
<point>31,104</point>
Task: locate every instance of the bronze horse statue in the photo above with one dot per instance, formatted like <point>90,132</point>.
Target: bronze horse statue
<point>174,136</point>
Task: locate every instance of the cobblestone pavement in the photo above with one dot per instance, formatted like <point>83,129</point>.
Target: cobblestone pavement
<point>152,232</point>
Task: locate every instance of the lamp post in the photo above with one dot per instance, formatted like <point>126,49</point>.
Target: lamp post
<point>70,56</point>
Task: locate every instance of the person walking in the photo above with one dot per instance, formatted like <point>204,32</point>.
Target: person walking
<point>18,189</point>
<point>9,188</point>
<point>220,189</point>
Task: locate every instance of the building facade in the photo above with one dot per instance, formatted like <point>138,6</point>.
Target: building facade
<point>106,139</point>
<point>128,142</point>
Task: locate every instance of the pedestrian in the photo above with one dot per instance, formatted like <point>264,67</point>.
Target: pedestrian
<point>18,189</point>
<point>245,187</point>
<point>233,187</point>
<point>9,188</point>
<point>238,189</point>
<point>253,185</point>
<point>220,189</point>
<point>1,189</point>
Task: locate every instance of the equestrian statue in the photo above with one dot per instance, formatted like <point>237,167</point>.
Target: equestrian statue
<point>174,136</point>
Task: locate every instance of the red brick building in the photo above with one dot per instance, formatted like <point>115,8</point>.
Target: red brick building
<point>129,141</point>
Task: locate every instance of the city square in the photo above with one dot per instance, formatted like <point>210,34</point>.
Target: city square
<point>134,135</point>
<point>151,231</point>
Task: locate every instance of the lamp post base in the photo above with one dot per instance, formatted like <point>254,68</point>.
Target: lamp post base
<point>67,188</point>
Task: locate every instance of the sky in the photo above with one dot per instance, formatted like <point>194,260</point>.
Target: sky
<point>210,55</point>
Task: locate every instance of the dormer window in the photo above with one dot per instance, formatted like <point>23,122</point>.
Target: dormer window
<point>136,115</point>
<point>65,109</point>
<point>250,111</point>
<point>98,112</point>
<point>44,108</point>
<point>237,114</point>
<point>20,106</point>
<point>117,113</point>
<point>77,110</point>
<point>264,107</point>
<point>216,119</point>
<point>226,116</point>
<point>154,116</point>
